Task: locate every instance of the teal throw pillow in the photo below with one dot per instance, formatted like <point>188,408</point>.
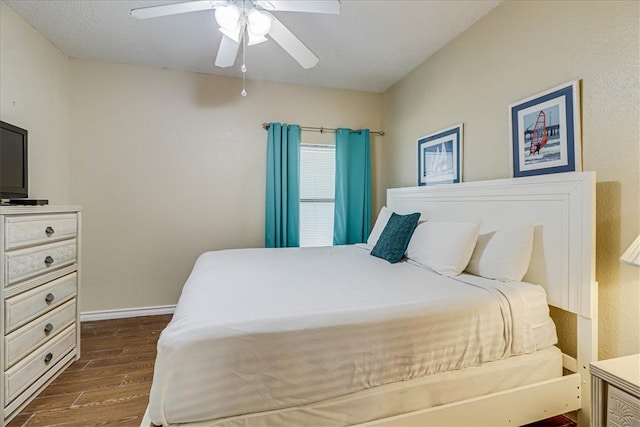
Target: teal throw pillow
<point>395,237</point>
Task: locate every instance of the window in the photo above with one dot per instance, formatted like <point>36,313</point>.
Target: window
<point>317,194</point>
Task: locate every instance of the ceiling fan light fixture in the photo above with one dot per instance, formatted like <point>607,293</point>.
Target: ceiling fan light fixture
<point>254,40</point>
<point>228,17</point>
<point>235,34</point>
<point>259,23</point>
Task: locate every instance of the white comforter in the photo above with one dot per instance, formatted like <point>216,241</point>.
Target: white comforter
<point>264,329</point>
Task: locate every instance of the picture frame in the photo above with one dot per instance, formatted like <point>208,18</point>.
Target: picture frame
<point>440,157</point>
<point>545,132</point>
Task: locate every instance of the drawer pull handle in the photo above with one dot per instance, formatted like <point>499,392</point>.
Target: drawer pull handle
<point>48,260</point>
<point>48,357</point>
<point>49,298</point>
<point>49,231</point>
<point>48,328</point>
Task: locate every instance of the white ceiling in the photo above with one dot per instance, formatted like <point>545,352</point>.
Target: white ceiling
<point>368,47</point>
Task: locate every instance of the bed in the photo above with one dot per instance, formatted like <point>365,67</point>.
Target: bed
<point>334,336</point>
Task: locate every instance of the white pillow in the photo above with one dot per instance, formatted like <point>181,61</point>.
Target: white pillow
<point>503,254</point>
<point>443,246</point>
<point>378,227</point>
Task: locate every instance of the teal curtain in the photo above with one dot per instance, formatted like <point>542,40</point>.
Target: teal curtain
<point>282,213</point>
<point>352,218</point>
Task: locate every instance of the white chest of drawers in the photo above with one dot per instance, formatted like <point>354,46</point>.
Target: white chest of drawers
<point>39,284</point>
<point>615,392</point>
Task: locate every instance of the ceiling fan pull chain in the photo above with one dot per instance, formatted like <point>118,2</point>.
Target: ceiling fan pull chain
<point>244,67</point>
<point>244,49</point>
<point>244,91</point>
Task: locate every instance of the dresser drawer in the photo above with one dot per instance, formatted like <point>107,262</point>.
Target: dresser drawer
<point>22,375</point>
<point>25,263</point>
<point>24,231</point>
<point>623,409</point>
<point>23,340</point>
<point>26,306</point>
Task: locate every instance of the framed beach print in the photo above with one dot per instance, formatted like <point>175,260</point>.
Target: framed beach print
<point>545,132</point>
<point>440,157</point>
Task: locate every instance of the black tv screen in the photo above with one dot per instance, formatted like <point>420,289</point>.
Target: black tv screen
<point>13,161</point>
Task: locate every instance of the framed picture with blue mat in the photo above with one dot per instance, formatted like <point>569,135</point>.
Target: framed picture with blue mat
<point>440,157</point>
<point>545,132</point>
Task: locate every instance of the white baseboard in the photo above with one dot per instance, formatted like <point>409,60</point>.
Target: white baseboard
<point>90,316</point>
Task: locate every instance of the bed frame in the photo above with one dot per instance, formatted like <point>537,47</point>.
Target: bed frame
<point>562,207</point>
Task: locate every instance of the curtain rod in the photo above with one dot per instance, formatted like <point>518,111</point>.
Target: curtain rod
<point>265,126</point>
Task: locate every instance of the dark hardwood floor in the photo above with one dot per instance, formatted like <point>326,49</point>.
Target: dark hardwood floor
<point>109,385</point>
<point>559,421</point>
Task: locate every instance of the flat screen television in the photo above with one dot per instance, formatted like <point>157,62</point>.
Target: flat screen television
<point>13,162</point>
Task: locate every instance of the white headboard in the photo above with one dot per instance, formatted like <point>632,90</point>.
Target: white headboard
<point>562,207</point>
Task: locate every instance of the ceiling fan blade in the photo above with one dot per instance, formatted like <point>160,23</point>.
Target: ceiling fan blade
<point>227,52</point>
<point>294,47</point>
<point>176,8</point>
<point>310,6</point>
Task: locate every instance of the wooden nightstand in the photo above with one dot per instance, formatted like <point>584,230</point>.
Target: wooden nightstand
<point>615,392</point>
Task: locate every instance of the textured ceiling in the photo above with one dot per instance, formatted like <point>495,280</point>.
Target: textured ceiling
<point>368,47</point>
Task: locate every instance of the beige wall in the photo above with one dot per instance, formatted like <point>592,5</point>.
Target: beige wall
<point>517,50</point>
<point>34,94</point>
<point>169,164</point>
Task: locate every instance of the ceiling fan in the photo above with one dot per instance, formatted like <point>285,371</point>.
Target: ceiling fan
<point>250,18</point>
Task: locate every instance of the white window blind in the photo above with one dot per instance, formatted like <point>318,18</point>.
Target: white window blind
<point>317,194</point>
